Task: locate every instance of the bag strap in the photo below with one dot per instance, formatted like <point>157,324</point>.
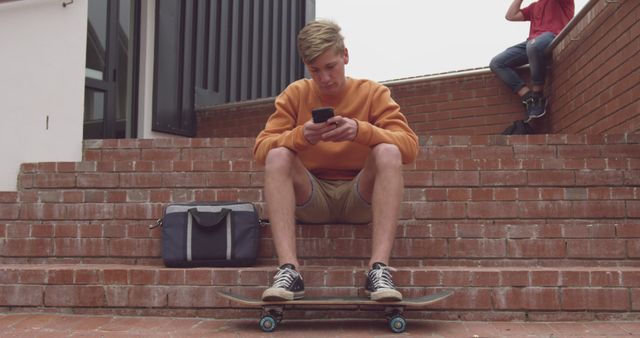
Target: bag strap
<point>209,219</point>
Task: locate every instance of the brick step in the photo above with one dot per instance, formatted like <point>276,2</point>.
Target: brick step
<point>420,204</point>
<point>93,147</point>
<point>466,204</point>
<point>452,242</point>
<point>423,173</point>
<point>112,167</point>
<point>517,292</point>
<point>436,147</point>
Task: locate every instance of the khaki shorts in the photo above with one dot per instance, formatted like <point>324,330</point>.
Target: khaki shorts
<point>334,202</point>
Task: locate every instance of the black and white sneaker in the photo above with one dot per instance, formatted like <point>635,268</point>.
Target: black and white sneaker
<point>535,105</point>
<point>379,284</point>
<point>287,285</point>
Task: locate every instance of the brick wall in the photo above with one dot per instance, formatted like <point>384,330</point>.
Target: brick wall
<point>594,88</point>
<point>465,103</point>
<point>595,80</point>
<point>242,119</point>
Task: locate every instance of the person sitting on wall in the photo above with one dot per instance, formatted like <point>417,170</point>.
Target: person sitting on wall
<point>345,170</point>
<point>548,18</point>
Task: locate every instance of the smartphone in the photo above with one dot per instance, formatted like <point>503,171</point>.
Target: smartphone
<point>321,114</point>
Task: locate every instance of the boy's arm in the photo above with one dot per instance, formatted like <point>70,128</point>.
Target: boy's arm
<point>281,130</point>
<point>388,125</point>
<point>514,13</point>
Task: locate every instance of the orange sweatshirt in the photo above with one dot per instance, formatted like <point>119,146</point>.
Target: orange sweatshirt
<point>370,104</point>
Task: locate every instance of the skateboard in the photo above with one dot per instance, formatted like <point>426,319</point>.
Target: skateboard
<point>272,311</point>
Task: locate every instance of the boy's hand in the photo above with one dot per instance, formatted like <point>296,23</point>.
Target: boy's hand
<point>313,131</point>
<point>335,129</point>
<point>344,129</point>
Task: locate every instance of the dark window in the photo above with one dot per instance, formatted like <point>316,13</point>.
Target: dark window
<point>210,52</point>
<point>111,69</point>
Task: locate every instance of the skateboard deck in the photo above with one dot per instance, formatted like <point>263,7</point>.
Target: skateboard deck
<point>272,311</point>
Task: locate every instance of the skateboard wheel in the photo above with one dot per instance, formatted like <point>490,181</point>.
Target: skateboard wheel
<point>397,324</point>
<point>268,324</point>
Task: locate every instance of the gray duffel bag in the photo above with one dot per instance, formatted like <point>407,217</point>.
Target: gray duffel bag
<point>210,234</point>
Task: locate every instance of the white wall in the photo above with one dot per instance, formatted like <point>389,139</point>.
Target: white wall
<point>42,62</point>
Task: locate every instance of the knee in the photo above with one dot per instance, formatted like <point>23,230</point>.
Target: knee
<point>387,156</point>
<point>534,49</point>
<point>279,160</point>
<point>495,64</point>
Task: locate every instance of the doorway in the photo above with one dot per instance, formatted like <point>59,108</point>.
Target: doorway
<point>110,100</point>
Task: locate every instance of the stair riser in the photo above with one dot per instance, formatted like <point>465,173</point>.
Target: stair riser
<point>471,210</point>
<point>409,251</point>
<point>68,204</point>
<point>440,162</point>
<point>561,173</point>
<point>494,243</point>
<point>505,291</point>
<point>489,146</point>
<point>373,318</point>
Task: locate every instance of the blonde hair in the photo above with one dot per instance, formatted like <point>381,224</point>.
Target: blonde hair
<point>318,36</point>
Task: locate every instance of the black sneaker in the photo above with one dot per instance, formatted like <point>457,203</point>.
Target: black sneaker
<point>535,104</point>
<point>287,285</point>
<point>379,284</point>
<point>528,101</point>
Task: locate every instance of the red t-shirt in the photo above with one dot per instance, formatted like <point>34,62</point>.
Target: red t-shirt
<point>548,16</point>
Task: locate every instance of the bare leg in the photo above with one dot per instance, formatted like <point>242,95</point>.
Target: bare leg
<point>523,91</point>
<point>286,184</point>
<point>538,88</point>
<point>381,183</point>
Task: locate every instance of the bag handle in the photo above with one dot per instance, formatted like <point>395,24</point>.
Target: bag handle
<point>209,219</point>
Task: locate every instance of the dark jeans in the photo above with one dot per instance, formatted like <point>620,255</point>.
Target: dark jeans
<point>531,52</point>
